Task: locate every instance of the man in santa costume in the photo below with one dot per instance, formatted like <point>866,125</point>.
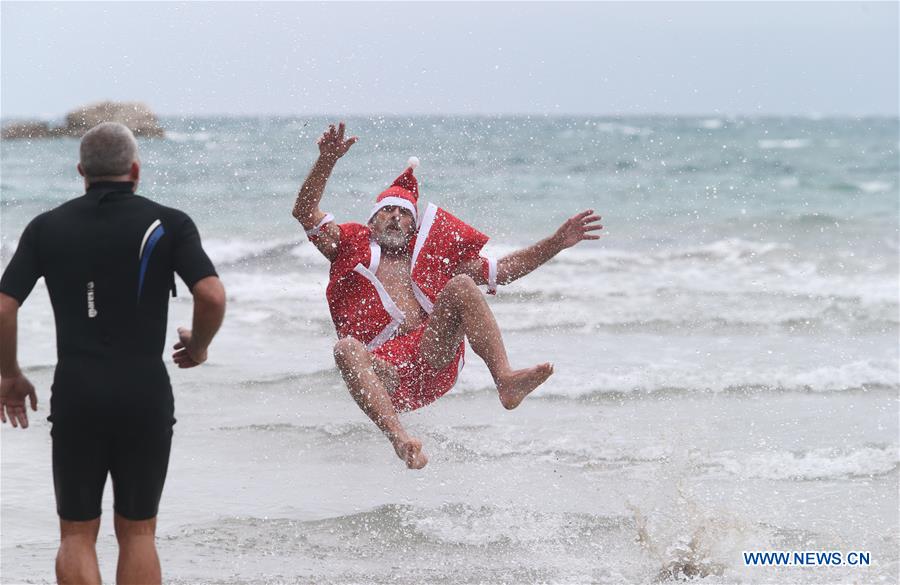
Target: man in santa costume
<point>403,294</point>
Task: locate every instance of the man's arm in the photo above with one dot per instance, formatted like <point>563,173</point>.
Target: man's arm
<point>521,262</point>
<point>332,146</point>
<point>209,311</point>
<point>14,386</point>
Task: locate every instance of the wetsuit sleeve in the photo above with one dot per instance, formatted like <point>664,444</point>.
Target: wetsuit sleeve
<point>191,262</point>
<point>24,268</point>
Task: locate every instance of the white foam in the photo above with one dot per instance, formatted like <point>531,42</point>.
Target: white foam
<point>187,136</point>
<point>300,289</point>
<point>874,186</point>
<point>815,464</point>
<point>624,129</point>
<point>232,250</point>
<point>726,283</point>
<point>787,144</point>
<point>484,526</point>
<point>663,374</point>
<point>851,375</point>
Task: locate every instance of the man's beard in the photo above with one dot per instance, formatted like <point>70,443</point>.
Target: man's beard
<point>392,240</point>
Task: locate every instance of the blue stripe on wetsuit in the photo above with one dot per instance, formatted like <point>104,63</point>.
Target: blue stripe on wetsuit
<point>145,259</point>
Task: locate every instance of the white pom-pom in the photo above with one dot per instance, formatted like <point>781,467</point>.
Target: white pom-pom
<point>413,162</point>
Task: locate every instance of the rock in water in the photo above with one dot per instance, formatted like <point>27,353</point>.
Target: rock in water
<point>27,130</point>
<point>135,115</point>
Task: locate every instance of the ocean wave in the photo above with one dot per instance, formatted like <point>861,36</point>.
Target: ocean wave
<point>727,285</point>
<point>817,219</point>
<point>816,464</point>
<point>237,251</point>
<point>405,543</point>
<point>874,186</point>
<point>491,443</point>
<point>187,136</point>
<point>329,432</point>
<point>787,143</point>
<point>676,539</point>
<point>659,379</point>
<point>623,129</point>
<point>724,250</point>
<point>395,526</point>
<point>548,307</point>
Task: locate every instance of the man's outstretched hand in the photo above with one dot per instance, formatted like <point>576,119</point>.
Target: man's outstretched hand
<point>186,355</point>
<point>332,145</point>
<point>13,391</point>
<point>578,228</point>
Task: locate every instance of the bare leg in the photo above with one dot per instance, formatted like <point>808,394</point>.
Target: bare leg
<point>360,371</point>
<point>138,561</point>
<point>76,561</point>
<point>460,310</point>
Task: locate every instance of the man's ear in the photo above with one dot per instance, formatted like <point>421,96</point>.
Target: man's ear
<point>135,172</point>
<point>80,170</point>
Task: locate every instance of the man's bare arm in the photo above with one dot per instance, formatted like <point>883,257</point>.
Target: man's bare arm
<point>209,311</point>
<point>521,262</point>
<point>14,386</point>
<point>332,146</point>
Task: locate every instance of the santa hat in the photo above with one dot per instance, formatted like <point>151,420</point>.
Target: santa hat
<point>404,192</point>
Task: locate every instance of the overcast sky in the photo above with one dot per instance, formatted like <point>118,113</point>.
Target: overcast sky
<point>443,58</point>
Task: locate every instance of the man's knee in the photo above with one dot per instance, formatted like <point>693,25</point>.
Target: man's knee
<point>79,533</point>
<point>130,529</point>
<point>346,349</point>
<point>463,281</point>
<point>462,286</point>
<point>76,559</point>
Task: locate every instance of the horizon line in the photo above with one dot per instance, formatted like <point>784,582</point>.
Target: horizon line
<point>712,114</point>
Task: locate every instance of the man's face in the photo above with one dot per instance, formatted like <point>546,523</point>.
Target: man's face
<point>393,227</point>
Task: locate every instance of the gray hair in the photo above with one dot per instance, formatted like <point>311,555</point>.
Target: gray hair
<point>107,150</point>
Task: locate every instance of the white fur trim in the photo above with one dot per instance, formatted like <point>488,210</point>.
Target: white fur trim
<point>492,275</point>
<point>389,305</point>
<point>374,256</point>
<point>399,202</point>
<point>424,229</point>
<point>382,337</point>
<point>427,222</point>
<point>413,162</point>
<point>423,299</point>
<point>387,302</point>
<point>315,231</point>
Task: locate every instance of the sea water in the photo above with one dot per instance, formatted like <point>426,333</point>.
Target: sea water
<point>726,358</point>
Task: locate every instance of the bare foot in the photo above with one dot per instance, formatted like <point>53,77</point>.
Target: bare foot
<point>410,450</point>
<point>518,384</point>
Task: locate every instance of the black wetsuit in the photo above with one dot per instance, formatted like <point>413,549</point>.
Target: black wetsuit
<point>109,258</point>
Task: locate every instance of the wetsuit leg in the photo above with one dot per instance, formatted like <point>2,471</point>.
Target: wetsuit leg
<point>81,460</point>
<point>138,466</point>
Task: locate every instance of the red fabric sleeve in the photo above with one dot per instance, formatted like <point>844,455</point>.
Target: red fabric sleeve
<point>454,239</point>
<point>353,235</point>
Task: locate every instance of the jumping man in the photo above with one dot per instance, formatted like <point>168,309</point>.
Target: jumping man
<point>403,295</point>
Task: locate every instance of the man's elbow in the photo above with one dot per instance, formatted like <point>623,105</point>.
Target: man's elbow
<point>306,218</point>
<point>210,292</point>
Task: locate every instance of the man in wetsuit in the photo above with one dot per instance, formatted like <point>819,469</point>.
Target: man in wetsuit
<point>403,297</point>
<point>108,259</point>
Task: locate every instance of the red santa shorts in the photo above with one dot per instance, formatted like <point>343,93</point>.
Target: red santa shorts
<point>420,384</point>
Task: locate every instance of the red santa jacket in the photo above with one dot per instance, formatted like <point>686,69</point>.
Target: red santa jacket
<point>361,307</point>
